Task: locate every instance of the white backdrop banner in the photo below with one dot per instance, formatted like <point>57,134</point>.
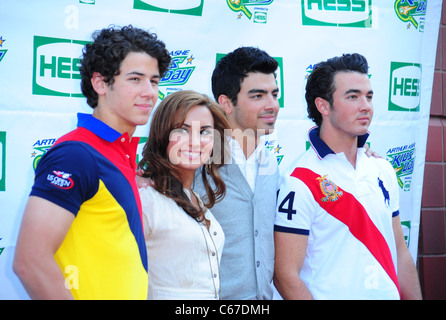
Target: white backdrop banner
<point>41,43</point>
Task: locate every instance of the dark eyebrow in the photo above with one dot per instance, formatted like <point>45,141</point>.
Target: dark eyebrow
<point>256,91</point>
<point>202,127</point>
<point>356,91</point>
<point>137,73</point>
<point>262,91</point>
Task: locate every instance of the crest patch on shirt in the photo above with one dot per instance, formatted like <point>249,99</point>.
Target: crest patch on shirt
<point>329,189</point>
<point>60,179</point>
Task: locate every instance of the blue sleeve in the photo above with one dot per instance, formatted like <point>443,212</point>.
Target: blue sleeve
<point>67,175</point>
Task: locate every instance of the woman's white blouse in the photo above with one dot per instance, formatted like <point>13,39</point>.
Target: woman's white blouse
<point>183,255</point>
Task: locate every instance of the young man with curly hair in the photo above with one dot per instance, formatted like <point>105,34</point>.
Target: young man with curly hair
<point>81,235</point>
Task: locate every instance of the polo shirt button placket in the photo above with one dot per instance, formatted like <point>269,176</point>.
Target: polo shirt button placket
<point>122,141</point>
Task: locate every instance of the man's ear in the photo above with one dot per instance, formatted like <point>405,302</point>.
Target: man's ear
<point>98,83</point>
<point>322,105</point>
<point>225,103</point>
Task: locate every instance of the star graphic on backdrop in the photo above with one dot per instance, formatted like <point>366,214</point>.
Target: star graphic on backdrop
<point>277,149</point>
<point>1,41</point>
<point>189,60</point>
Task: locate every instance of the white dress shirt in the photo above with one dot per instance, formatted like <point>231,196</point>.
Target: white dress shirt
<point>183,255</point>
<point>249,167</point>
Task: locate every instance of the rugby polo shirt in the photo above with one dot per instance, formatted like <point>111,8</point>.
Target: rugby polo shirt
<point>347,214</point>
<point>91,173</point>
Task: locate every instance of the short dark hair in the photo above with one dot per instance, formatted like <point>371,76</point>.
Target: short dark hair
<point>110,47</point>
<point>321,84</point>
<point>233,68</point>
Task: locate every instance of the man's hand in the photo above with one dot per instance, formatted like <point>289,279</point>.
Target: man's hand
<point>142,182</point>
<point>370,153</point>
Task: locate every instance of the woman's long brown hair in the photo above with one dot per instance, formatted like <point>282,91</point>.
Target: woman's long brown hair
<point>170,114</point>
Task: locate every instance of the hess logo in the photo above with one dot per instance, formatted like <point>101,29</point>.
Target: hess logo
<point>347,13</point>
<point>56,66</point>
<point>189,7</point>
<point>405,85</point>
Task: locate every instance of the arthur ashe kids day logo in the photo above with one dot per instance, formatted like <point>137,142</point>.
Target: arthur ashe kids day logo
<point>40,147</point>
<point>412,11</point>
<point>180,70</point>
<point>56,66</point>
<point>402,159</point>
<point>245,7</point>
<point>341,13</point>
<point>405,84</point>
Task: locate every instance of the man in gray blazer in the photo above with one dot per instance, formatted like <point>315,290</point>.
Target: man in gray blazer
<point>244,84</point>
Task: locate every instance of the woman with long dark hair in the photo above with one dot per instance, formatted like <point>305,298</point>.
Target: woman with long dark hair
<point>184,241</point>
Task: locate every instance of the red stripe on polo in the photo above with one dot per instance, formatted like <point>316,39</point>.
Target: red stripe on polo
<point>347,209</point>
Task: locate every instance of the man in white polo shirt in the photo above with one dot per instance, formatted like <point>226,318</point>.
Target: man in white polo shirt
<point>337,231</point>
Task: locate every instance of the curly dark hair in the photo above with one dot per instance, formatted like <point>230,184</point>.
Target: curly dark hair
<point>321,83</point>
<point>109,48</point>
<point>169,115</point>
<point>233,68</point>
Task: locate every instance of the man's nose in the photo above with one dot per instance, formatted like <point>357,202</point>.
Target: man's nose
<point>272,103</point>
